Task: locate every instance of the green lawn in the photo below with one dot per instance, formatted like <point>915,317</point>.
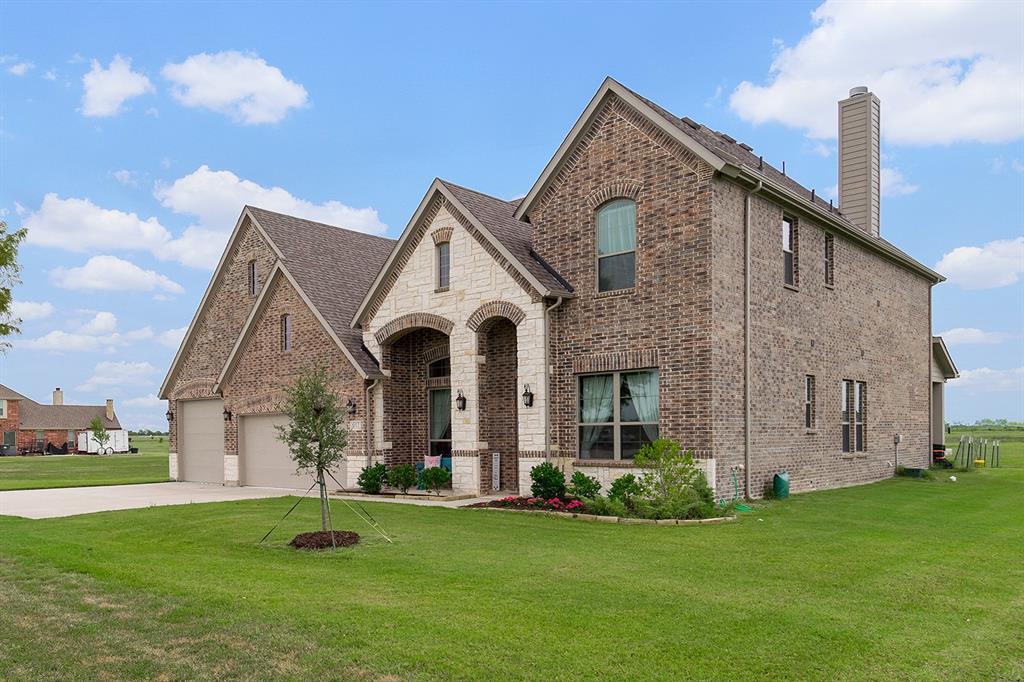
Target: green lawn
<point>904,579</point>
<point>65,471</point>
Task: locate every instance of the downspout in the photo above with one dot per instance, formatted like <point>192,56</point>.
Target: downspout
<point>746,337</point>
<point>547,377</point>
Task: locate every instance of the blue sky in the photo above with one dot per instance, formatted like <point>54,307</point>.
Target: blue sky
<point>131,134</point>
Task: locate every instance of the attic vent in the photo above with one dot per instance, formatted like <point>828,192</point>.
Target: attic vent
<point>746,146</point>
<point>728,138</point>
<point>690,122</point>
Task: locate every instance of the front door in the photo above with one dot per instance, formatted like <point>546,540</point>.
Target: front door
<point>440,418</point>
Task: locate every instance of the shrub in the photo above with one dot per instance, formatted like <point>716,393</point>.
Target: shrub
<point>372,478</point>
<point>672,484</point>
<point>624,488</point>
<point>403,477</point>
<point>436,478</point>
<point>548,481</point>
<point>606,506</point>
<point>584,486</point>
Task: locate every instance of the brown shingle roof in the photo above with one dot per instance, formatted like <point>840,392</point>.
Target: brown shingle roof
<point>498,217</point>
<point>33,416</point>
<point>333,266</point>
<point>10,394</point>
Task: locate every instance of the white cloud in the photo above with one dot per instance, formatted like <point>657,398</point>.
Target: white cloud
<point>959,336</point>
<point>945,72</point>
<point>894,184</point>
<point>101,323</point>
<point>80,225</point>
<point>996,264</point>
<point>242,86</point>
<point>126,177</point>
<point>110,273</point>
<point>145,401</point>
<point>20,69</point>
<point>172,337</point>
<point>19,209</point>
<point>106,90</point>
<point>987,380</point>
<point>216,198</point>
<point>50,75</point>
<point>31,310</point>
<point>117,375</point>
<point>60,341</point>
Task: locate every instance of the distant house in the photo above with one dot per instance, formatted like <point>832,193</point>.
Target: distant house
<point>29,426</point>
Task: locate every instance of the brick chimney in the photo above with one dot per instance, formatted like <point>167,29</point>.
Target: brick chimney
<point>860,159</point>
<point>58,396</point>
<point>110,409</point>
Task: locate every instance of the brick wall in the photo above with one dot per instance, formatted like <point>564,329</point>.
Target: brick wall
<point>499,402</point>
<point>405,394</point>
<point>10,420</point>
<point>873,326</point>
<point>668,313</point>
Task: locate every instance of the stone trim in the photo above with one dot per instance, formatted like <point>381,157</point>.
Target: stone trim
<point>609,463</point>
<point>413,321</point>
<point>619,189</point>
<point>613,362</point>
<point>441,235</point>
<point>195,388</point>
<point>509,311</point>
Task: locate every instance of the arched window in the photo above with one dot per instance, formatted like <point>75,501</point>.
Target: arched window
<point>616,245</point>
<point>252,278</point>
<point>443,265</point>
<point>286,332</point>
<point>439,368</point>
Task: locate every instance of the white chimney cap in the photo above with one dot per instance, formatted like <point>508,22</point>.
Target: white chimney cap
<point>859,90</point>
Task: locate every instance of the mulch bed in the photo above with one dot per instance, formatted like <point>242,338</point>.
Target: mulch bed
<point>321,539</point>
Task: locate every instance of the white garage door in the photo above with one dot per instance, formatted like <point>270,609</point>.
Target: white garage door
<point>201,436</point>
<point>264,459</point>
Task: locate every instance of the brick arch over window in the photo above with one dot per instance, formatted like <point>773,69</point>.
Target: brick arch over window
<point>441,235</point>
<point>510,311</point>
<point>436,353</point>
<point>619,189</point>
<point>413,321</point>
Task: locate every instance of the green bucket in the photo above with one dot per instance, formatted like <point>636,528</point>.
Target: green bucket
<point>780,485</point>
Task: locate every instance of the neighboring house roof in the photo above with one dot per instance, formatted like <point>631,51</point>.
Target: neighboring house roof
<point>35,417</point>
<point>943,359</point>
<point>727,156</point>
<point>10,394</point>
<point>333,267</point>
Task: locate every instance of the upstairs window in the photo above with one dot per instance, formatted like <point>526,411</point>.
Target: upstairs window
<point>252,277</point>
<point>616,245</point>
<point>830,259</point>
<point>3,409</point>
<point>789,242</point>
<point>443,265</point>
<point>286,332</point>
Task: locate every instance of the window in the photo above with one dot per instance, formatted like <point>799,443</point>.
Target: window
<point>71,439</point>
<point>286,332</point>
<point>443,265</point>
<point>809,416</point>
<point>40,440</point>
<point>830,259</point>
<point>252,278</point>
<point>616,245</point>
<point>10,438</point>
<point>439,369</point>
<point>846,389</point>
<point>618,414</point>
<point>3,408</point>
<point>789,244</point>
<point>440,421</point>
<point>859,400</point>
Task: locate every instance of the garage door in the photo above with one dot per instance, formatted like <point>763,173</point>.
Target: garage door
<point>264,459</point>
<point>201,432</point>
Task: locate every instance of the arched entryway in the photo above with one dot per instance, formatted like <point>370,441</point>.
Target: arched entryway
<point>499,404</point>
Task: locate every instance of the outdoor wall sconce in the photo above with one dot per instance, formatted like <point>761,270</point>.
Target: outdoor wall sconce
<point>460,402</point>
<point>527,396</point>
<point>350,406</point>
<point>170,416</point>
<point>227,415</point>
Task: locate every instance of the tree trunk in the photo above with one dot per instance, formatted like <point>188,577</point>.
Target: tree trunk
<point>323,498</point>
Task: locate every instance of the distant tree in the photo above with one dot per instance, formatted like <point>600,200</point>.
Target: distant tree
<point>315,433</point>
<point>10,276</point>
<point>99,432</point>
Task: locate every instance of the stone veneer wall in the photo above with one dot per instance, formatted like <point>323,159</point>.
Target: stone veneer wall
<point>873,325</point>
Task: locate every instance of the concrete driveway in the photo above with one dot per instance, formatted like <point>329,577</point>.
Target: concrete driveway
<point>55,502</point>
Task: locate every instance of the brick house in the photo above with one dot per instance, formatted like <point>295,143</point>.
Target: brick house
<point>29,426</point>
<point>658,279</point>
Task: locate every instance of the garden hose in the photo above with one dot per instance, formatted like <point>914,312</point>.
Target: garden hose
<point>736,493</point>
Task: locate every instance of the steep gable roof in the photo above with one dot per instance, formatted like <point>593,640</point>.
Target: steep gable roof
<point>10,394</point>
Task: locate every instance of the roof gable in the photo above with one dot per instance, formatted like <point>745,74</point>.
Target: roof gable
<point>942,358</point>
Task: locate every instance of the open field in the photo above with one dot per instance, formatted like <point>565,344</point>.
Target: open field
<point>904,579</point>
<point>68,471</point>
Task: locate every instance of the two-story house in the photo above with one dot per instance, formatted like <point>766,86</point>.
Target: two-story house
<point>659,279</point>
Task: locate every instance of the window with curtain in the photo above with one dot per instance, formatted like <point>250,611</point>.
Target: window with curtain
<point>616,245</point>
<point>443,265</point>
<point>789,251</point>
<point>286,332</point>
<point>618,413</point>
<point>440,422</point>
<point>252,278</point>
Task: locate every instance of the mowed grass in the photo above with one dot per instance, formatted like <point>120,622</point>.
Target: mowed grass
<point>904,579</point>
<point>65,471</point>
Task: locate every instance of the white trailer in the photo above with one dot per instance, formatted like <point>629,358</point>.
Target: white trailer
<point>117,442</point>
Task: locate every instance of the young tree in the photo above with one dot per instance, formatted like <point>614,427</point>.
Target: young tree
<point>10,275</point>
<point>99,433</point>
<point>315,433</point>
